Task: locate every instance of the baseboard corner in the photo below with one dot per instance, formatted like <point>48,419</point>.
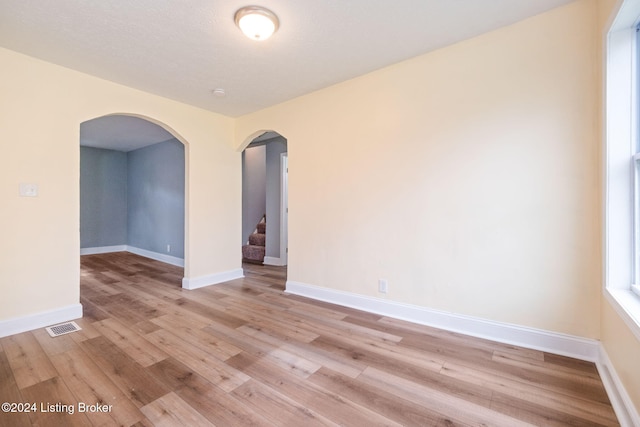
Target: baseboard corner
<point>192,283</point>
<point>40,320</point>
<point>622,404</point>
<point>102,250</point>
<point>168,259</point>
<point>269,260</point>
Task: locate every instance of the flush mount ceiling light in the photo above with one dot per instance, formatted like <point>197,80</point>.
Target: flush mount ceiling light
<point>256,22</point>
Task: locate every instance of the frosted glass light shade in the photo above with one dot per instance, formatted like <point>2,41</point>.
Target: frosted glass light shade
<point>256,22</point>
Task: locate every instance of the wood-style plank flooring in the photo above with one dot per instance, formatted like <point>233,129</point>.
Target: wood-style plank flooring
<point>244,353</point>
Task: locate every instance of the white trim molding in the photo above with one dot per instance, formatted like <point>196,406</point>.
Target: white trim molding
<point>538,339</point>
<point>284,207</point>
<point>103,250</point>
<point>269,260</point>
<point>157,256</point>
<point>212,279</point>
<point>168,259</point>
<point>40,320</point>
<point>622,404</point>
<point>627,304</point>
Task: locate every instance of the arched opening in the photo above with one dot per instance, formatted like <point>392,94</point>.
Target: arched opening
<point>265,200</point>
<point>132,189</point>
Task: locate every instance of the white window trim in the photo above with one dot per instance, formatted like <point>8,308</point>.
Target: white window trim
<point>620,144</point>
<point>636,212</point>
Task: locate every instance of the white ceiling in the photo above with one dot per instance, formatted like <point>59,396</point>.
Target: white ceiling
<point>184,49</point>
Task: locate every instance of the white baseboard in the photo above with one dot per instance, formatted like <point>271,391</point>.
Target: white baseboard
<point>102,250</point>
<point>212,279</point>
<point>538,339</point>
<point>142,252</point>
<point>622,404</point>
<point>269,260</point>
<point>157,256</point>
<point>40,320</point>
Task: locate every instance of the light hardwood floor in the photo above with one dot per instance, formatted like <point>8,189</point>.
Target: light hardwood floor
<point>245,353</point>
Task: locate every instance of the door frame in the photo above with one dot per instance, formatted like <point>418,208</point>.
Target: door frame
<point>284,208</point>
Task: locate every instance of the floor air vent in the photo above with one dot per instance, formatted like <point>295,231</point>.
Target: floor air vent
<point>63,328</point>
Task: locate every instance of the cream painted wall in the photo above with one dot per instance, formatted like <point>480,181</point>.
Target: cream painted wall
<point>41,108</point>
<point>467,177</point>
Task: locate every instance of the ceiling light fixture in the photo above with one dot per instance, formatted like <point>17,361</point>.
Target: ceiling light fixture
<point>256,22</point>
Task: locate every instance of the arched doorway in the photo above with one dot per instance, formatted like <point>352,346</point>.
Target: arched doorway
<point>265,199</point>
<point>132,188</point>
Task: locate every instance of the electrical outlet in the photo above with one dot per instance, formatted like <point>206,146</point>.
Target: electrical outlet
<point>383,286</point>
<point>168,248</point>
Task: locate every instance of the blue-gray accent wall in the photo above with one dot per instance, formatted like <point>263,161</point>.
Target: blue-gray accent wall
<point>155,198</point>
<point>134,198</point>
<point>103,197</point>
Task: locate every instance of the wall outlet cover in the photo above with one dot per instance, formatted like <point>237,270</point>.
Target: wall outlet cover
<point>28,190</point>
<point>383,286</point>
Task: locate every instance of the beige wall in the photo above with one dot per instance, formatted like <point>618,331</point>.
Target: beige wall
<point>467,177</point>
<point>41,108</point>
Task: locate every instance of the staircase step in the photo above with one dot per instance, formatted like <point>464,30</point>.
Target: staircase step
<point>253,253</point>
<point>262,227</point>
<point>257,239</point>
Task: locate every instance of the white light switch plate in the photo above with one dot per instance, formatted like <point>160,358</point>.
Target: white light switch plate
<point>28,190</point>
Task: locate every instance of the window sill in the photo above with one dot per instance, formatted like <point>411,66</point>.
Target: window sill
<point>627,305</point>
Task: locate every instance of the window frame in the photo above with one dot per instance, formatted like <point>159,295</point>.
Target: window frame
<point>635,158</point>
<point>621,175</point>
<point>635,167</point>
